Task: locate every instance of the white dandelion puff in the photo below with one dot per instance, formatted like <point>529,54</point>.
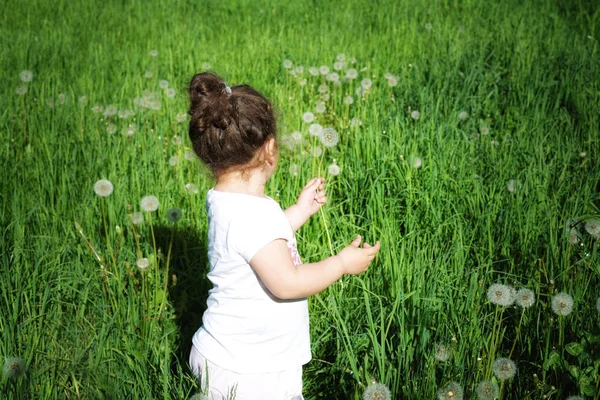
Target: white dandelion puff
<point>360,91</point>
<point>176,140</point>
<point>315,129</point>
<point>153,53</point>
<point>417,162</point>
<point>355,122</point>
<point>320,107</point>
<point>323,88</point>
<point>502,295</point>
<point>575,398</point>
<point>366,83</point>
<point>142,263</point>
<point>129,130</point>
<point>352,73</point>
<point>148,74</point>
<point>137,218</point>
<point>511,186</point>
<point>83,99</point>
<point>574,236</point>
<point>294,169</point>
<point>525,298</point>
<point>189,155</point>
<point>26,76</point>
<point>463,115</point>
<point>504,368</point>
<point>103,187</point>
<point>314,71</point>
<point>329,137</point>
<point>325,97</point>
<point>308,117</point>
<point>171,92</point>
<point>154,105</point>
<point>377,391</point>
<point>340,57</point>
<point>163,84</point>
<point>123,114</point>
<point>592,226</point>
<point>97,108</point>
<point>181,117</point>
<point>485,130</point>
<point>562,304</point>
<point>487,390</point>
<point>332,77</point>
<point>333,169</point>
<point>428,26</point>
<point>348,100</point>
<point>302,82</point>
<point>206,66</point>
<point>299,69</point>
<point>149,203</point>
<point>442,352</point>
<point>323,69</point>
<point>111,128</point>
<point>287,64</point>
<point>338,65</point>
<point>393,81</point>
<point>61,98</point>
<point>14,367</point>
<point>191,188</point>
<point>174,214</point>
<point>21,90</point>
<point>317,151</point>
<point>451,392</point>
<point>415,115</point>
<point>110,111</point>
<point>173,161</point>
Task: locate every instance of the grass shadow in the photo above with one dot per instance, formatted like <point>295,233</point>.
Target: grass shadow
<point>189,291</point>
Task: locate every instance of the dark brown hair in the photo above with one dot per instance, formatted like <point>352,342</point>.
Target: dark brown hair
<point>227,125</point>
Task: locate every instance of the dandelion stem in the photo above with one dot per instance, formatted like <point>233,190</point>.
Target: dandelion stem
<point>108,245</point>
<point>166,280</point>
<point>517,334</point>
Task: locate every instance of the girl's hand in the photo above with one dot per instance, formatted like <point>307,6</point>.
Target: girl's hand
<point>355,259</point>
<point>312,197</point>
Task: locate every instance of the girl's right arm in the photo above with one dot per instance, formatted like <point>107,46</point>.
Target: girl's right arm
<point>274,265</point>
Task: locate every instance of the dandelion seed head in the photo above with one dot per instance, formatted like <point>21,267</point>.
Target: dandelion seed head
<point>451,392</point>
<point>333,169</point>
<point>323,88</point>
<point>299,69</point>
<point>103,187</point>
<point>50,102</point>
<point>377,391</point>
<point>592,226</point>
<point>323,69</point>
<point>148,74</point>
<point>315,129</point>
<point>575,398</point>
<point>26,76</point>
<point>14,367</point>
<point>320,107</point>
<point>463,115</point>
<point>366,83</point>
<point>360,91</point>
<point>189,155</point>
<point>163,84</point>
<point>332,77</point>
<point>502,295</point>
<point>174,214</point>
<point>294,169</point>
<point>61,98</point>
<point>191,188</point>
<point>111,128</point>
<point>487,390</point>
<point>154,105</point>
<point>142,263</point>
<point>316,151</point>
<point>393,81</point>
<point>173,161</point>
<point>352,73</point>
<point>329,137</point>
<point>417,162</point>
<point>562,304</point>
<point>504,368</point>
<point>21,90</point>
<point>525,298</point>
<point>110,111</point>
<point>149,203</point>
<point>314,71</point>
<point>340,57</point>
<point>348,100</point>
<point>181,117</point>
<point>302,82</point>
<point>415,115</point>
<point>153,53</point>
<point>355,122</point>
<point>338,65</point>
<point>287,64</point>
<point>485,130</point>
<point>129,130</point>
<point>206,66</point>
<point>428,26</point>
<point>171,92</point>
<point>137,218</point>
<point>511,186</point>
<point>176,140</point>
<point>442,352</point>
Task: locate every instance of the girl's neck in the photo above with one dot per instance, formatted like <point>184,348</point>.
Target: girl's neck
<point>232,182</point>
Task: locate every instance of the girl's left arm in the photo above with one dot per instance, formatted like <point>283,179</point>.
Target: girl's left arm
<point>311,199</point>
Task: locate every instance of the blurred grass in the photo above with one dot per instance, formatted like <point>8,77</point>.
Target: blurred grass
<point>526,70</point>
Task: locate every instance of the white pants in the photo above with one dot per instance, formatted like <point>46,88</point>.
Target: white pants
<point>222,384</point>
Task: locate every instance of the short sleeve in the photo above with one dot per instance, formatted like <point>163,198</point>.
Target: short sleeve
<point>254,230</point>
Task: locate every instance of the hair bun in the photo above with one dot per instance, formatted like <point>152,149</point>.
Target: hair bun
<point>210,103</point>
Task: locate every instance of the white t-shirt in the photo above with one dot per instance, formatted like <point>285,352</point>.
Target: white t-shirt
<point>246,329</point>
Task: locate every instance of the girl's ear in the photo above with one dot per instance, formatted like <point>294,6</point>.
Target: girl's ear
<point>270,149</point>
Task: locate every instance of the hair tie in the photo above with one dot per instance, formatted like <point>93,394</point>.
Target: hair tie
<point>227,89</point>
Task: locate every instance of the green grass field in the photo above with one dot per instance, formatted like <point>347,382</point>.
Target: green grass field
<point>496,179</point>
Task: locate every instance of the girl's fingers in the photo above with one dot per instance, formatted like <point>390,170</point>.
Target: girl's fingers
<point>314,181</point>
<point>356,241</point>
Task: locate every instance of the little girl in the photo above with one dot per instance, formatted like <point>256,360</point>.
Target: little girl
<point>255,336</point>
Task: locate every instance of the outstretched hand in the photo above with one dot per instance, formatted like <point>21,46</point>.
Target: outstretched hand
<point>312,197</point>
